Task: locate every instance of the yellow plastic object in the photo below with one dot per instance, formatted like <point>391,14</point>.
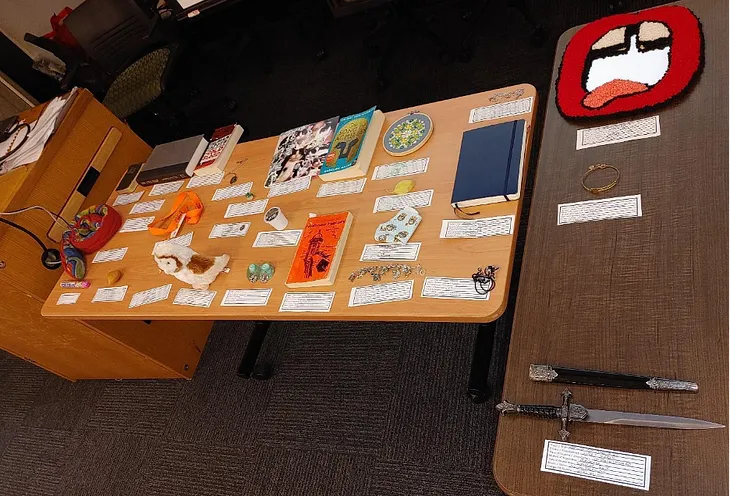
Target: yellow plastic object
<point>404,186</point>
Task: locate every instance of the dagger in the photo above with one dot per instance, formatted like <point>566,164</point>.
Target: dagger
<point>572,412</point>
<point>549,373</point>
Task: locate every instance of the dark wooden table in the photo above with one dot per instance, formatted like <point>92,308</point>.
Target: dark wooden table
<point>646,295</point>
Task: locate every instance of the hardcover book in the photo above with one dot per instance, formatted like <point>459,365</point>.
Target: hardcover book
<point>172,161</point>
<point>219,150</point>
<point>320,251</point>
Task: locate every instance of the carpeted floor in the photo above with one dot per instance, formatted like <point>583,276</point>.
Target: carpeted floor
<point>354,409</point>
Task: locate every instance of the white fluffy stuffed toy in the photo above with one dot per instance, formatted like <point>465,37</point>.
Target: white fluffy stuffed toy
<point>180,261</point>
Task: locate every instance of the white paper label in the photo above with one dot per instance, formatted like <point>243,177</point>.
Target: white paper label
<point>499,110</point>
<point>110,255</point>
<point>451,288</point>
<point>620,207</point>
<point>232,191</point>
<point>153,295</point>
<point>138,224</point>
<point>478,228</point>
<point>597,464</point>
<point>127,198</point>
<point>398,169</point>
<point>146,207</point>
<point>269,239</point>
<point>246,298</point>
<point>417,199</point>
<point>390,251</point>
<point>198,181</point>
<point>194,297</point>
<point>68,298</point>
<point>109,295</point>
<point>180,240</point>
<point>248,208</point>
<point>291,186</point>
<point>229,230</point>
<point>618,133</point>
<point>166,188</point>
<point>307,302</point>
<point>352,187</point>
<point>381,293</point>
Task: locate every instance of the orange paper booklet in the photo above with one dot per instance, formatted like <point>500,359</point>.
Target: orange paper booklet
<point>320,251</point>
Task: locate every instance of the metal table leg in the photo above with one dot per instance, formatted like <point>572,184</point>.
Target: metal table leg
<point>478,387</point>
<point>249,368</point>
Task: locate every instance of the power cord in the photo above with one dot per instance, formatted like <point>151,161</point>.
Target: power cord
<point>51,258</point>
<point>57,219</point>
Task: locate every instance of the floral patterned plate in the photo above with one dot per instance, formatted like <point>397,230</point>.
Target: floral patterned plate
<point>407,134</point>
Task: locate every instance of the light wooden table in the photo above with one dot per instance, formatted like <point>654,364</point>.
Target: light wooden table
<point>439,257</point>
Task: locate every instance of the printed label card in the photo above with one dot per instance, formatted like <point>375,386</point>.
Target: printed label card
<point>386,252</point>
<point>149,296</point>
<point>271,239</point>
<point>184,240</point>
<point>136,225</point>
<point>110,295</point>
<point>247,208</point>
<point>416,199</point>
<point>127,198</point>
<point>381,293</point>
<point>232,191</point>
<point>166,188</point>
<point>450,288</point>
<point>621,207</point>
<point>500,110</point>
<point>307,302</point>
<point>246,298</point>
<point>478,228</point>
<point>68,298</point>
<point>399,169</point>
<point>146,207</point>
<point>351,187</point>
<point>618,133</point>
<point>291,186</point>
<point>194,297</point>
<point>210,180</point>
<point>114,255</point>
<point>233,230</point>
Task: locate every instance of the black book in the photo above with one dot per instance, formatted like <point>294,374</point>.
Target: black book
<point>172,161</point>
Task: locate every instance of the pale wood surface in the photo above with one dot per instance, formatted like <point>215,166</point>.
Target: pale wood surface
<point>452,257</point>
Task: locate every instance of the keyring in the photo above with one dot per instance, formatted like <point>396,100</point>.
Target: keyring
<point>601,189</point>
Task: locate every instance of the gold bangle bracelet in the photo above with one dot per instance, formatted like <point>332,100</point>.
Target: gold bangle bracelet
<point>601,189</point>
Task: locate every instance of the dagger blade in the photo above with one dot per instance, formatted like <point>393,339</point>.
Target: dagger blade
<point>647,420</point>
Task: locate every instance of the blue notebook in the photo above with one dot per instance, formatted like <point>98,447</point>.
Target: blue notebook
<point>490,165</point>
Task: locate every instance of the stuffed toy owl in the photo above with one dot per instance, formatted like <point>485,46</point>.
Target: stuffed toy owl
<point>190,267</point>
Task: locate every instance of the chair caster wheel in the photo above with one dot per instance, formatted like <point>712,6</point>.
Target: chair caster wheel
<point>320,55</point>
<point>539,37</point>
<point>231,105</point>
<point>263,372</point>
<point>194,92</point>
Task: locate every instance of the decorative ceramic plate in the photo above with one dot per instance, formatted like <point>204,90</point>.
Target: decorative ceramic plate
<point>407,134</point>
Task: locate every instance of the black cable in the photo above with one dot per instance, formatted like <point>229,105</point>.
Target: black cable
<point>26,231</point>
<point>25,138</point>
<point>50,257</point>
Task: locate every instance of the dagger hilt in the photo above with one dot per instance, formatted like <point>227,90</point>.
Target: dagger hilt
<point>566,413</point>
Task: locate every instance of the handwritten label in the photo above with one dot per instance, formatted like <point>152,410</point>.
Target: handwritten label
<point>232,191</point>
<point>342,188</point>
<point>500,110</point>
<point>110,295</point>
<point>478,228</point>
<point>381,293</point>
<point>180,240</point>
<point>68,298</point>
<point>146,207</point>
<point>307,302</point>
<point>417,199</point>
<point>621,207</point>
<point>597,464</point>
<point>210,180</point>
<point>291,186</point>
<point>166,188</point>
<point>270,239</point>
<point>138,224</point>
<point>110,255</point>
<point>153,295</point>
<point>229,230</point>
<point>618,133</point>
<point>246,298</point>
<point>398,169</point>
<point>390,252</point>
<point>127,198</point>
<point>451,288</point>
<point>194,297</point>
<point>247,208</point>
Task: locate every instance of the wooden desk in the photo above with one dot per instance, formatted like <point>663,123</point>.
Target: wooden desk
<point>646,295</point>
<point>439,257</point>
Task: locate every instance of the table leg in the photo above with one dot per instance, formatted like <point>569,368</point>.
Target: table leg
<point>248,368</point>
<point>478,388</point>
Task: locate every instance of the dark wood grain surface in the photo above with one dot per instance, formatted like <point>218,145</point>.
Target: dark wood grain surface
<point>647,295</point>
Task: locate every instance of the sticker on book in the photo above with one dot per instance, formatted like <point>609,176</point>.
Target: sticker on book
<point>68,298</point>
<point>478,228</point>
<point>501,110</point>
<point>136,225</point>
<point>307,302</point>
<point>184,240</point>
<point>166,188</point>
<point>351,187</point>
<point>233,230</point>
<point>417,199</point>
<point>291,186</point>
<point>399,169</point>
<point>246,298</point>
<point>621,207</point>
<point>114,255</point>
<point>381,293</point>
<point>110,295</point>
<point>126,199</point>
<point>247,208</point>
<point>386,252</point>
<point>210,180</point>
<point>232,191</point>
<point>149,296</point>
<point>271,239</point>
<point>147,207</point>
<point>597,464</point>
<point>451,288</point>
<point>194,297</point>
<point>618,133</point>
